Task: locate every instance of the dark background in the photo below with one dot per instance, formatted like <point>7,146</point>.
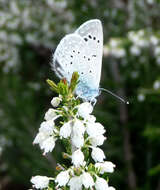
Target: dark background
<point>29,33</point>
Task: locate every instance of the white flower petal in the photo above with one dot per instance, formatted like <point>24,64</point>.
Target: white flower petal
<point>48,145</point>
<point>47,127</point>
<point>75,183</point>
<point>77,158</point>
<point>77,140</point>
<point>101,184</point>
<point>65,130</point>
<point>51,114</point>
<point>78,127</point>
<point>97,154</point>
<point>40,137</point>
<point>105,167</point>
<point>97,140</point>
<point>85,109</point>
<point>87,180</point>
<point>62,178</point>
<point>56,101</point>
<point>94,129</point>
<point>40,182</point>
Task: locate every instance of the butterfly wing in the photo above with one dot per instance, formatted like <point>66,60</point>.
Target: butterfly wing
<point>92,32</point>
<point>75,53</point>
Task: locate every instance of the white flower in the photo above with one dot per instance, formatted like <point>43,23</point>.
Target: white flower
<point>135,50</point>
<point>114,43</point>
<point>87,180</point>
<point>56,101</point>
<point>78,158</point>
<point>94,129</point>
<point>111,188</point>
<point>75,183</point>
<point>62,178</point>
<point>141,97</point>
<point>101,184</point>
<point>105,167</point>
<point>40,137</point>
<point>97,140</point>
<point>48,145</point>
<point>40,182</point>
<point>154,40</point>
<point>77,140</point>
<point>97,154</point>
<point>47,127</point>
<point>91,118</point>
<point>157,50</point>
<point>84,109</point>
<point>51,114</point>
<point>78,127</point>
<point>156,85</point>
<point>65,130</point>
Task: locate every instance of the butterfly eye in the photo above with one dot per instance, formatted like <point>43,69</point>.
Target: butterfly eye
<point>71,63</point>
<point>98,41</point>
<point>73,51</point>
<point>86,39</point>
<point>90,71</point>
<point>84,57</point>
<point>94,38</point>
<point>78,52</point>
<point>88,59</point>
<point>72,56</point>
<point>93,55</point>
<point>82,73</point>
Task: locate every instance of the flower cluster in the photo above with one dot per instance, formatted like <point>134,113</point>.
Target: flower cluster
<point>78,127</point>
<point>20,24</point>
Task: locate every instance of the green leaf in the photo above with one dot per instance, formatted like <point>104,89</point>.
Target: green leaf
<point>74,81</point>
<point>52,85</point>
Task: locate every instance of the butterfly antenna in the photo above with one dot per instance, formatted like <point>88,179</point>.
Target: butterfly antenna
<point>116,96</point>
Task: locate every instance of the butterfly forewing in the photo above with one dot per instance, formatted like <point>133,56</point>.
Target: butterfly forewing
<point>81,52</point>
<point>92,33</point>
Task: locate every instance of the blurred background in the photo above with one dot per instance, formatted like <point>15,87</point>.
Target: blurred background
<point>29,33</point>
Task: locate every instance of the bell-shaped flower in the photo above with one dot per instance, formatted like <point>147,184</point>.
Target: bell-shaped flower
<point>78,127</point>
<point>106,166</point>
<point>56,101</point>
<point>65,130</point>
<point>62,178</point>
<point>94,129</point>
<point>51,114</point>
<point>48,144</point>
<point>101,184</point>
<point>85,109</point>
<point>87,180</point>
<point>97,154</point>
<point>75,183</point>
<point>97,140</point>
<point>40,137</point>
<point>77,158</point>
<point>47,127</point>
<point>40,182</point>
<point>77,140</point>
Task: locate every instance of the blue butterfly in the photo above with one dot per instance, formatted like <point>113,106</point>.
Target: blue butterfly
<point>82,51</point>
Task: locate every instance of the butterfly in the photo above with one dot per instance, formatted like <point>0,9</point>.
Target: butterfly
<point>82,51</point>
